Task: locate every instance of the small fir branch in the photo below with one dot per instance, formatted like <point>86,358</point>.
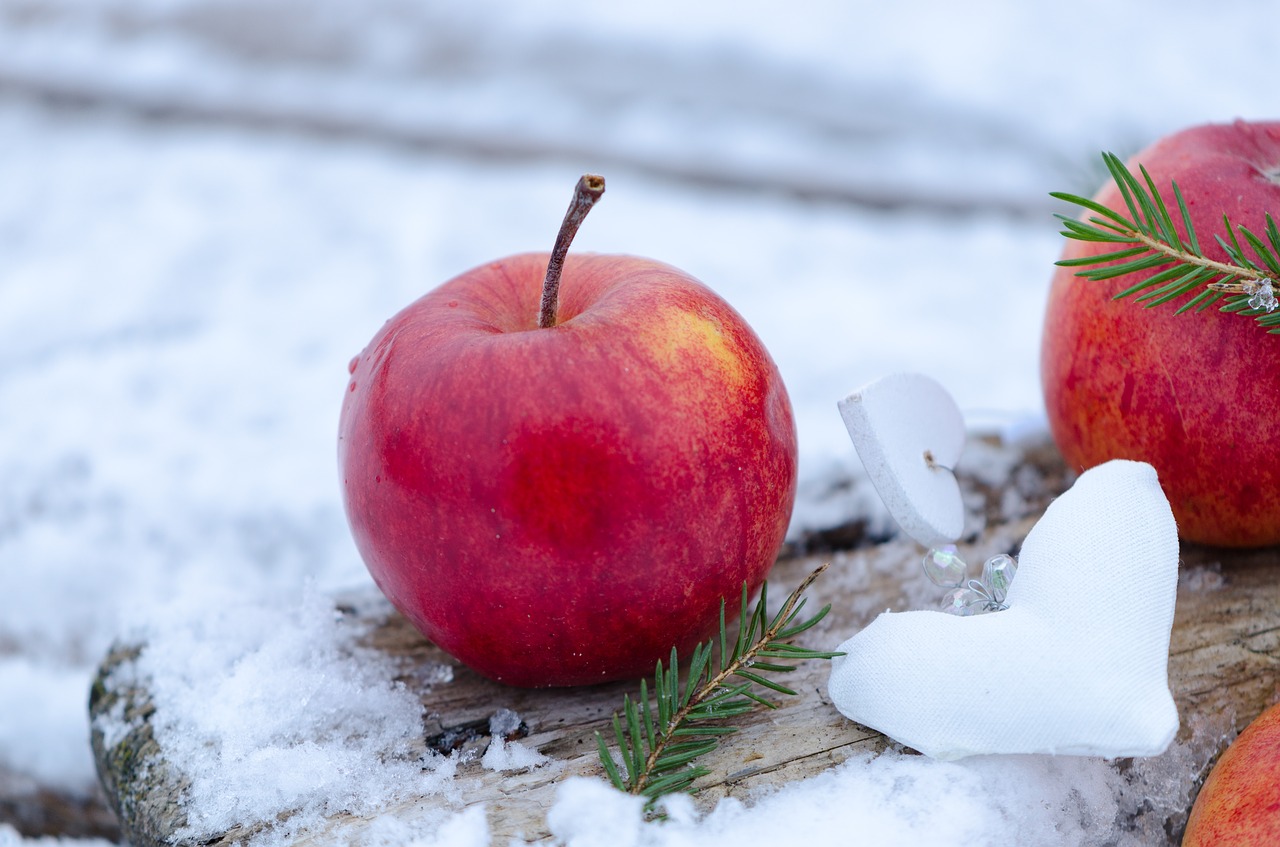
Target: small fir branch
<point>1147,240</point>
<point>658,737</point>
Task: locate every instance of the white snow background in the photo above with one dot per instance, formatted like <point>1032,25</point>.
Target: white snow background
<point>208,206</point>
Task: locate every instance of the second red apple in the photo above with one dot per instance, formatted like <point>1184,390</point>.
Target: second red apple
<point>1196,395</point>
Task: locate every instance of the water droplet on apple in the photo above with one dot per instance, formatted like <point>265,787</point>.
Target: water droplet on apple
<point>453,304</point>
<point>351,366</point>
<point>352,387</point>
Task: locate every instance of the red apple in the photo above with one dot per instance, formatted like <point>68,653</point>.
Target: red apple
<point>1196,395</point>
<point>1239,805</point>
<point>562,504</point>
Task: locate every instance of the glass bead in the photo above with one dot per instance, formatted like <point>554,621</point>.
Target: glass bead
<point>962,601</point>
<point>997,575</point>
<point>944,567</point>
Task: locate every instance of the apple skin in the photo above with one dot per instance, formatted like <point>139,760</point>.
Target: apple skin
<point>562,506</point>
<point>1195,395</point>
<point>1239,804</point>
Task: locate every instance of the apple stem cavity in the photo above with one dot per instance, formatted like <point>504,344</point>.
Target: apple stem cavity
<point>585,195</point>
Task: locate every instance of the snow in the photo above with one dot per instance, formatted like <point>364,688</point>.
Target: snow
<point>503,754</point>
<point>10,837</point>
<point>279,709</point>
<point>1010,800</point>
<point>179,297</point>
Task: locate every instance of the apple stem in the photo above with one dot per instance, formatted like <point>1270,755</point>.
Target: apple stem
<point>585,195</point>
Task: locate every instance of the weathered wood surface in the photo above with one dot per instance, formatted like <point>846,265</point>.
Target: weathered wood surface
<point>1223,671</point>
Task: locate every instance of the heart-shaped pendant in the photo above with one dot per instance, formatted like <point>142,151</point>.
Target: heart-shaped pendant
<point>909,433</point>
<point>1076,664</point>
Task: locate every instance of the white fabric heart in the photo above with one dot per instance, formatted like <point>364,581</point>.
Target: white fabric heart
<point>909,433</point>
<point>1078,663</point>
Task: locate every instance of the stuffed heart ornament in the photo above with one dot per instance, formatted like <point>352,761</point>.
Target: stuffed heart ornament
<point>1078,661</point>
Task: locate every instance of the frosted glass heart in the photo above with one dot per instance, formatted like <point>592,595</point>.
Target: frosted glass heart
<point>1078,663</point>
<point>909,433</point>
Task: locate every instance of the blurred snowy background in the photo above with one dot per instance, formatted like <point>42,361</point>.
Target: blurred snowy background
<point>208,206</point>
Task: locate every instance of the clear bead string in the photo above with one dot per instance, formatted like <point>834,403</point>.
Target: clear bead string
<point>966,596</point>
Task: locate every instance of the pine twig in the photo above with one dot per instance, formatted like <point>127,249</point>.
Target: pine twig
<point>724,675</point>
<point>1147,240</point>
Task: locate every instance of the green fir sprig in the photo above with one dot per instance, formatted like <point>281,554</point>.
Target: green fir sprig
<point>659,739</point>
<point>1148,240</point>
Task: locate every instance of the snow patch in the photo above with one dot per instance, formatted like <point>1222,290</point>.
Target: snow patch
<point>1029,801</point>
<point>274,711</point>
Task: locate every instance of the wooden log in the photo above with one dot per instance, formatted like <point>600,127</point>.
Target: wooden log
<point>1223,672</point>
